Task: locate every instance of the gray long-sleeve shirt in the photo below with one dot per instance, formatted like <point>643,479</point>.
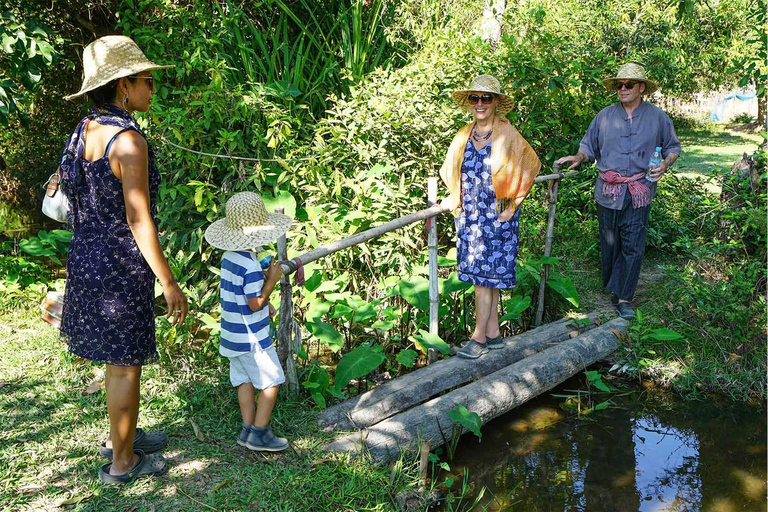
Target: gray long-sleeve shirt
<point>626,147</point>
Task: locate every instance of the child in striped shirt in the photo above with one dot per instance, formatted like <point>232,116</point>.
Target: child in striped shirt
<point>245,312</point>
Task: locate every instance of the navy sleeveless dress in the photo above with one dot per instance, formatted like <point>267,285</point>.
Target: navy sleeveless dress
<point>109,298</point>
<point>486,249</point>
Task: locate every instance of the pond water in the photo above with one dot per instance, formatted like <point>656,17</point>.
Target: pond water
<point>644,452</point>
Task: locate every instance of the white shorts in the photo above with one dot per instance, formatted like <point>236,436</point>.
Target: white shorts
<point>260,367</point>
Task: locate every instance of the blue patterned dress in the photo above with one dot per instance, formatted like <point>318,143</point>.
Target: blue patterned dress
<point>109,298</point>
<point>486,249</point>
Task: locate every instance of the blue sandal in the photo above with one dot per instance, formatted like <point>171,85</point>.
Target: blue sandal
<point>148,442</point>
<point>149,464</point>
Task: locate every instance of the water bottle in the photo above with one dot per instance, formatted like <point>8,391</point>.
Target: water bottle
<point>265,262</point>
<point>653,163</point>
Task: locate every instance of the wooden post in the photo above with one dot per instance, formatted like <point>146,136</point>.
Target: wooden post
<point>434,296</point>
<point>285,329</point>
<point>547,245</point>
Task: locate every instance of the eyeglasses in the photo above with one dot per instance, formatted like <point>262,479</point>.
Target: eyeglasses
<point>150,80</point>
<point>626,85</point>
<point>485,98</point>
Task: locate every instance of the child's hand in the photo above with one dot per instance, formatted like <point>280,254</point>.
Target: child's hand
<point>274,272</point>
<point>272,310</point>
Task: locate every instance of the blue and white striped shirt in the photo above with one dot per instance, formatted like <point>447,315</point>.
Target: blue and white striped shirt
<point>242,328</point>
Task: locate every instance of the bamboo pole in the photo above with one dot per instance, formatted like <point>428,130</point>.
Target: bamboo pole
<point>434,296</point>
<point>548,244</point>
<point>364,236</point>
<point>285,329</point>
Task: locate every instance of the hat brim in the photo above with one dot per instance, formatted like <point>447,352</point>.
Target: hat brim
<point>98,82</point>
<point>650,86</point>
<point>221,236</point>
<point>505,102</point>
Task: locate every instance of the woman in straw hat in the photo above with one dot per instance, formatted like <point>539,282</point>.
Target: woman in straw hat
<point>488,170</point>
<point>110,178</point>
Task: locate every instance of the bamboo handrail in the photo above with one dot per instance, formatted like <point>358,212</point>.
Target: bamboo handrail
<point>326,249</point>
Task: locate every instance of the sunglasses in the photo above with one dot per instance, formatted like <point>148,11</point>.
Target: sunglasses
<point>474,98</point>
<point>626,85</point>
<point>150,80</point>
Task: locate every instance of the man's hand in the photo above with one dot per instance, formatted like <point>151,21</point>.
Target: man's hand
<point>272,310</point>
<point>659,171</point>
<point>573,160</point>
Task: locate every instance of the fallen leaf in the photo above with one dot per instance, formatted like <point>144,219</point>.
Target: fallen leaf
<point>73,500</point>
<point>94,387</point>
<point>295,450</point>
<point>222,484</point>
<point>198,432</point>
<point>30,489</point>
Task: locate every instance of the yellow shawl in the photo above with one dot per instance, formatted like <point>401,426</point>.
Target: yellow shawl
<point>514,163</point>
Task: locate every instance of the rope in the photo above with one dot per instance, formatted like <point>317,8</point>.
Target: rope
<point>231,157</point>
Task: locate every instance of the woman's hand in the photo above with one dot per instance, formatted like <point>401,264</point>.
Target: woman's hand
<point>177,303</point>
<point>506,214</point>
<point>449,203</point>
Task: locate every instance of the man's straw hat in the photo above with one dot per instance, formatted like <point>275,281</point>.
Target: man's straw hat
<point>484,83</point>
<point>247,224</point>
<point>109,58</point>
<point>631,71</point>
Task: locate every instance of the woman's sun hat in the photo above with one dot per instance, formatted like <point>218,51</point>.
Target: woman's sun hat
<point>247,224</point>
<point>631,71</point>
<point>109,58</point>
<point>484,83</point>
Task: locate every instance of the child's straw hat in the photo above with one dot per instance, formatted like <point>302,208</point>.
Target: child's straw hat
<point>484,83</point>
<point>109,58</point>
<point>247,224</point>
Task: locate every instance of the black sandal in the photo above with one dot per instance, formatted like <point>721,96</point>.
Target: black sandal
<point>148,442</point>
<point>149,464</point>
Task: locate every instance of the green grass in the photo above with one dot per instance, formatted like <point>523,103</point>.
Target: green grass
<point>711,145</point>
<point>52,427</point>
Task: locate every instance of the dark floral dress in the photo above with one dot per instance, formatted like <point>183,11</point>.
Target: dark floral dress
<point>109,298</point>
<point>486,249</point>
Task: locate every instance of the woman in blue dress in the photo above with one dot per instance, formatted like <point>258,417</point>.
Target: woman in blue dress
<point>109,175</point>
<point>488,170</point>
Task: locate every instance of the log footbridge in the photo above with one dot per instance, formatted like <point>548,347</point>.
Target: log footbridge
<point>409,410</point>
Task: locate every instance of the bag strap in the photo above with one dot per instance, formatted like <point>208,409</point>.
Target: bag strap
<point>112,140</point>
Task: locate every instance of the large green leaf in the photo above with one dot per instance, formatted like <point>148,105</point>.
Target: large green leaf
<point>467,419</point>
<point>281,199</point>
<point>317,309</point>
<point>425,341</point>
<point>515,307</point>
<point>664,334</point>
<point>407,357</point>
<point>357,363</point>
<point>415,291</point>
<point>327,334</point>
<point>564,287</point>
<point>452,284</point>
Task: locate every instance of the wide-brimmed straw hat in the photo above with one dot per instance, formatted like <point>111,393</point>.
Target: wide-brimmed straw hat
<point>247,224</point>
<point>631,71</point>
<point>109,58</point>
<point>484,83</point>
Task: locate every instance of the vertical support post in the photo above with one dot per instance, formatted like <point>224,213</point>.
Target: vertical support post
<point>548,246</point>
<point>434,296</point>
<point>285,329</point>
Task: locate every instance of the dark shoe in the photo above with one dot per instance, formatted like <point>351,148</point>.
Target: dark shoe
<point>148,442</point>
<point>243,437</point>
<point>495,343</point>
<point>491,343</point>
<point>614,300</point>
<point>624,309</point>
<point>263,440</point>
<point>149,464</point>
<point>472,350</point>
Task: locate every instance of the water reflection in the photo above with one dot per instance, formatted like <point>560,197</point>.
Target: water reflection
<point>641,454</point>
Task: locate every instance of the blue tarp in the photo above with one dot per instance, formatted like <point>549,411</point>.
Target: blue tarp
<point>717,112</point>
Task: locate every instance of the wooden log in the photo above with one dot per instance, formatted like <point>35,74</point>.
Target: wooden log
<point>414,388</point>
<point>489,397</point>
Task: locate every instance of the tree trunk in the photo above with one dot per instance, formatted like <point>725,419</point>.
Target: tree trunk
<point>489,397</point>
<point>414,388</point>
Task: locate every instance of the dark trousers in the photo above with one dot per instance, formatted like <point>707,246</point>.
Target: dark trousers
<point>622,244</point>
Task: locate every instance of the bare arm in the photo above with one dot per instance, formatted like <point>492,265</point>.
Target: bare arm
<point>129,159</point>
<point>271,277</point>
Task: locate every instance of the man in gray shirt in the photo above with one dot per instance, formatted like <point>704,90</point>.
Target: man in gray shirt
<point>622,139</point>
